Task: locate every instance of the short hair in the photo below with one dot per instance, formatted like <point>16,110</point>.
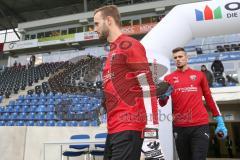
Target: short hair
<point>110,10</point>
<point>175,50</point>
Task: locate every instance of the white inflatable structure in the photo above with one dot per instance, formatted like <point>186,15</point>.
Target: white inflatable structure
<point>180,25</point>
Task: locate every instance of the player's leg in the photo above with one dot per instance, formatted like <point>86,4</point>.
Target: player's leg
<point>200,142</point>
<point>126,145</point>
<point>107,150</point>
<point>182,141</point>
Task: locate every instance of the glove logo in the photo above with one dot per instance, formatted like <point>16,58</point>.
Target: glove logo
<point>153,145</point>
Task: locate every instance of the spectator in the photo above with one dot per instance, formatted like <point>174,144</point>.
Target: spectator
<point>218,69</point>
<point>32,61</point>
<point>208,75</point>
<point>19,64</point>
<point>217,66</point>
<point>15,64</point>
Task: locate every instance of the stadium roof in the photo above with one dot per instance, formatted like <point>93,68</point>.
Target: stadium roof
<point>13,12</point>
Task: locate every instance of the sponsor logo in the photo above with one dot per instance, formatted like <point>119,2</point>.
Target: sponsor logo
<point>208,14</point>
<point>215,13</point>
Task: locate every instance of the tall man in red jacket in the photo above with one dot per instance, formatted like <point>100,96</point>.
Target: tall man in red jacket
<point>126,112</point>
<point>191,129</point>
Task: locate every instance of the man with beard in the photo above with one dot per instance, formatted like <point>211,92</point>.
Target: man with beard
<point>126,112</point>
<point>190,123</point>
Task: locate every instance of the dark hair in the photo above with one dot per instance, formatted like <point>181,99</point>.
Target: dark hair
<point>110,10</point>
<point>175,50</point>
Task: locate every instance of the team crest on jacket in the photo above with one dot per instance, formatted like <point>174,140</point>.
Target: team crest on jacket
<point>193,77</point>
<point>175,80</point>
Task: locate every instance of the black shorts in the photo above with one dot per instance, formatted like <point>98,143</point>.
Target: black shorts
<point>192,142</point>
<point>124,145</point>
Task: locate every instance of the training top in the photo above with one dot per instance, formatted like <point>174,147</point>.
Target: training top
<point>188,88</point>
<point>124,96</point>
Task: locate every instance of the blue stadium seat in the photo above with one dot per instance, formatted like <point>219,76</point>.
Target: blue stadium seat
<point>22,116</point>
<point>29,123</point>
<point>83,146</point>
<point>50,108</point>
<point>231,84</point>
<point>41,108</point>
<point>99,148</point>
<point>2,110</point>
<point>2,123</point>
<point>31,116</point>
<point>20,123</point>
<point>72,123</point>
<point>5,116</point>
<point>17,108</point>
<point>40,123</point>
<point>25,108</point>
<point>28,97</point>
<point>215,85</point>
<point>33,108</point>
<point>13,116</point>
<point>50,101</point>
<point>50,123</point>
<point>83,149</point>
<point>94,123</point>
<point>84,123</point>
<point>10,123</point>
<point>27,101</point>
<point>9,109</point>
<point>61,123</point>
<point>50,116</point>
<point>40,116</point>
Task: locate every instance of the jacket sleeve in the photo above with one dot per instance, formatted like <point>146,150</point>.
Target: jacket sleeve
<point>208,97</point>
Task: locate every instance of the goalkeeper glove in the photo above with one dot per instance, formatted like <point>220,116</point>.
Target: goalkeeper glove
<point>221,130</point>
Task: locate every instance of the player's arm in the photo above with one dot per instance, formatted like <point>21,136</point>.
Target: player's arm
<point>221,130</point>
<point>208,97</point>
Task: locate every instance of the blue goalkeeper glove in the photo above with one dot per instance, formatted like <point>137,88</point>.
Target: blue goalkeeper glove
<point>221,130</point>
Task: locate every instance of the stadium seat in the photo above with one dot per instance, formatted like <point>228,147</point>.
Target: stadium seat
<point>83,149</point>
<point>99,148</point>
<point>2,123</point>
<point>220,48</point>
<point>72,123</point>
<point>227,47</point>
<point>20,123</point>
<point>10,123</point>
<point>40,123</point>
<point>29,123</point>
<point>50,123</point>
<point>235,47</point>
<point>94,123</point>
<point>61,123</point>
<point>84,123</point>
